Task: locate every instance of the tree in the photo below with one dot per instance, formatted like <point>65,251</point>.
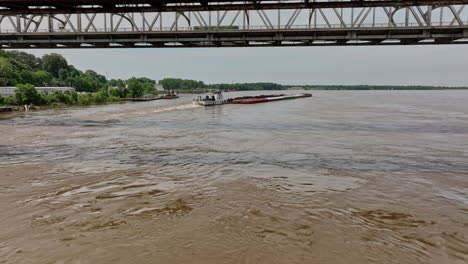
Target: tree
<point>73,72</point>
<point>180,84</point>
<point>121,83</point>
<point>119,92</point>
<point>8,74</point>
<point>135,87</point>
<point>60,97</point>
<point>27,59</point>
<point>101,96</point>
<point>27,94</point>
<point>27,77</point>
<point>42,78</point>
<point>97,77</point>
<point>148,85</point>
<point>74,97</point>
<point>9,100</point>
<point>63,74</point>
<point>52,63</point>
<point>116,83</point>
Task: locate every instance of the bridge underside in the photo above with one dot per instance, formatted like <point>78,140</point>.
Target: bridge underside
<point>241,38</point>
<point>36,24</point>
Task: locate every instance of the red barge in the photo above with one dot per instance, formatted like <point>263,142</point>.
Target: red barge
<point>265,98</point>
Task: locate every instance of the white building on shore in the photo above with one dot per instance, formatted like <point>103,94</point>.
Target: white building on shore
<point>10,91</point>
<point>159,87</point>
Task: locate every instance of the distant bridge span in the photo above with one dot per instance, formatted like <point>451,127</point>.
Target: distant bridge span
<point>36,24</point>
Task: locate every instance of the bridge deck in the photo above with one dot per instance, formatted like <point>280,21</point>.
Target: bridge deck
<point>35,24</point>
<point>240,38</point>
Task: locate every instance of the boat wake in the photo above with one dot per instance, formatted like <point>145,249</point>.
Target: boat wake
<point>173,108</point>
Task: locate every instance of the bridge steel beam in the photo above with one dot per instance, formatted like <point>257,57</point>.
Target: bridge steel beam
<point>381,22</point>
<point>44,7</point>
<point>241,38</point>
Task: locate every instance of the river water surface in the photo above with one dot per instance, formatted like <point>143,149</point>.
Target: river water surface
<point>342,177</point>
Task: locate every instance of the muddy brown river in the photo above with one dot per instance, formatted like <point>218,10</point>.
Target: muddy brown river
<point>342,177</point>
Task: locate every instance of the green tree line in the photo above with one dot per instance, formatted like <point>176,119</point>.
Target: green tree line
<point>26,94</point>
<point>26,71</point>
<point>184,84</point>
<point>18,67</point>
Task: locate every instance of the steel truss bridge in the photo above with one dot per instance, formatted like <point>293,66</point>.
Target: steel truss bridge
<point>35,24</point>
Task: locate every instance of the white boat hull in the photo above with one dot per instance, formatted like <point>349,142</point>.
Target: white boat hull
<point>209,102</point>
<point>214,98</point>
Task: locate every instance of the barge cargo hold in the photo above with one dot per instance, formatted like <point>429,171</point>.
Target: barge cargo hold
<point>266,98</point>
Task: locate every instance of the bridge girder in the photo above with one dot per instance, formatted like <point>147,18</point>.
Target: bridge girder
<point>242,38</point>
<point>404,24</point>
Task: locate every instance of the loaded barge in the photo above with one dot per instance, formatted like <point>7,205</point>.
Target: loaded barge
<point>265,98</point>
<point>170,95</point>
<point>216,98</point>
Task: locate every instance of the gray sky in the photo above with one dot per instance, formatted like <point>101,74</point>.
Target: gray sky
<point>399,65</point>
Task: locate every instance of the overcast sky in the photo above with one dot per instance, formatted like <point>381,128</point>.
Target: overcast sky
<point>399,65</point>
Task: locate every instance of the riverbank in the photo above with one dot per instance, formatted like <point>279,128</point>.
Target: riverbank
<point>21,109</point>
<point>16,108</point>
<point>5,109</point>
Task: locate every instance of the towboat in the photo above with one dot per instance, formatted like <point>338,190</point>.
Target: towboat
<point>213,98</point>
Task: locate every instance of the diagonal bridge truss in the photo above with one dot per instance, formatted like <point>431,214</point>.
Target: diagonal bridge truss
<point>222,23</point>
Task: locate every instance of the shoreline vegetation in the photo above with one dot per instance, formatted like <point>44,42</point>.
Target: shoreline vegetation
<point>26,71</point>
<point>192,86</point>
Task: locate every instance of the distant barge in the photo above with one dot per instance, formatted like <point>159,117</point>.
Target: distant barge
<point>140,99</point>
<point>216,98</point>
<point>265,98</point>
<point>172,95</point>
